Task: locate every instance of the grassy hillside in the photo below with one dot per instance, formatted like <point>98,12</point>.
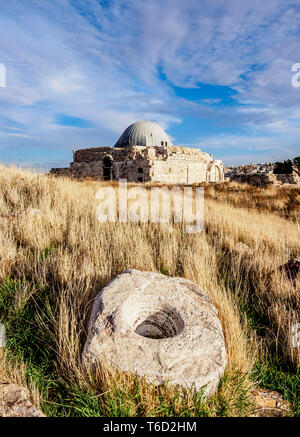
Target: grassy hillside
<point>55,257</point>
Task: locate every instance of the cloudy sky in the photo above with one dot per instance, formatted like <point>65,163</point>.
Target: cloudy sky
<point>215,74</point>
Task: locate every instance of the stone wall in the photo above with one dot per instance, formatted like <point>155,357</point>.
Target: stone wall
<point>169,164</point>
<point>293,178</point>
<point>60,171</point>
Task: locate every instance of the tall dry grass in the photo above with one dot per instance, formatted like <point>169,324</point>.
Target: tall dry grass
<point>50,236</point>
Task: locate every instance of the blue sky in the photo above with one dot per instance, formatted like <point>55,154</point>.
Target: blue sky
<point>215,74</point>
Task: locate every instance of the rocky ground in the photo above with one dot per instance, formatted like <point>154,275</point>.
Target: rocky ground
<point>15,402</point>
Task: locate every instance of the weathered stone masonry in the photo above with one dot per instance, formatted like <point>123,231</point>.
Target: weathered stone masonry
<point>170,164</point>
<point>144,163</point>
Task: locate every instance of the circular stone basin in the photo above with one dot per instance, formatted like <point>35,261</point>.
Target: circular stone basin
<point>158,327</point>
<point>156,322</point>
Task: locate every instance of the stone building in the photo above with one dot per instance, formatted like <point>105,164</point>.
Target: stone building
<point>144,153</point>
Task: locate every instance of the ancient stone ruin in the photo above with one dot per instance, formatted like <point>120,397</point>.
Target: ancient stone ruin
<point>260,175</point>
<point>159,327</point>
<point>144,153</point>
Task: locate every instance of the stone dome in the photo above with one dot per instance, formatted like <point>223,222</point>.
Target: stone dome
<point>143,133</point>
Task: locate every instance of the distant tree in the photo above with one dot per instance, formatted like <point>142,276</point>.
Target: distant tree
<point>285,167</point>
<point>296,162</point>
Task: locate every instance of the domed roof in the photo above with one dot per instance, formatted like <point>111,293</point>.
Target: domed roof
<point>143,133</point>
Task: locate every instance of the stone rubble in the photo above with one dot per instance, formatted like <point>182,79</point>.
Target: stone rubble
<point>15,402</point>
<point>269,403</point>
<point>260,175</point>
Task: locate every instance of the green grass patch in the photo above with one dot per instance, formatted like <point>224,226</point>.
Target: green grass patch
<point>27,318</point>
<point>28,311</point>
<point>282,380</point>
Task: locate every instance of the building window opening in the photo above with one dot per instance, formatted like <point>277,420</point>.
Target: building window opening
<point>166,143</point>
<point>162,143</point>
<point>140,170</point>
<point>141,179</point>
<point>107,167</point>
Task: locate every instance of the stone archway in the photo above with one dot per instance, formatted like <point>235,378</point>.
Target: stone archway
<point>218,174</point>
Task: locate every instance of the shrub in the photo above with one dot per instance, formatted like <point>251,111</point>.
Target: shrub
<point>296,162</point>
<point>285,167</point>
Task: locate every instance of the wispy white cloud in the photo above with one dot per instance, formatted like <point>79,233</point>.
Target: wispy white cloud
<point>101,62</point>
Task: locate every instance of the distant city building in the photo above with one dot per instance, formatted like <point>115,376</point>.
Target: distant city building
<point>144,153</point>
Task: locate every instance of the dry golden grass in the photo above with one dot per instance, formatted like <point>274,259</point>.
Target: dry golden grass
<point>51,237</point>
<point>279,200</point>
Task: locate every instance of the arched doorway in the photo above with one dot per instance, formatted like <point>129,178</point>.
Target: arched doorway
<point>140,171</point>
<point>217,174</point>
<point>107,168</point>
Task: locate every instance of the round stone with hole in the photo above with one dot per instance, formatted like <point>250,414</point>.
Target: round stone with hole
<point>163,328</point>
